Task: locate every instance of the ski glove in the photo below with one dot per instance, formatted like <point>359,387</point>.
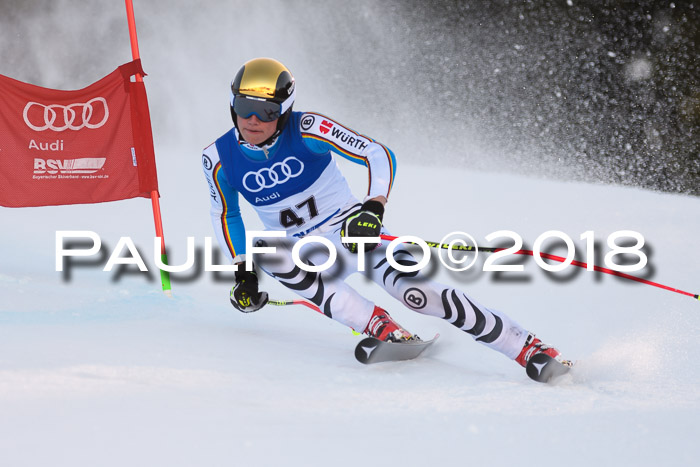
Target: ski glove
<point>245,295</point>
<point>367,222</point>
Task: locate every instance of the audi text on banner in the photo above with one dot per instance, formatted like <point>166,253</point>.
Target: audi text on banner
<point>72,147</point>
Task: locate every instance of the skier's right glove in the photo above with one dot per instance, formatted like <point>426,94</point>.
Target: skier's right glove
<point>245,296</point>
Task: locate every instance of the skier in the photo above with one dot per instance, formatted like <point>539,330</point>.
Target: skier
<point>280,161</point>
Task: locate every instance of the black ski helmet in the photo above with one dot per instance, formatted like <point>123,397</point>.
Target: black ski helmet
<point>264,87</point>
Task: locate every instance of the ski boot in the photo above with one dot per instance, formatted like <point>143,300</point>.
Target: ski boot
<point>383,327</point>
<point>541,361</point>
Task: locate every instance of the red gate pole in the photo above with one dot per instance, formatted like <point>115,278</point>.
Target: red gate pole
<point>164,275</point>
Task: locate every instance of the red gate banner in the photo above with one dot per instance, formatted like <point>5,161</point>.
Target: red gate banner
<point>72,147</point>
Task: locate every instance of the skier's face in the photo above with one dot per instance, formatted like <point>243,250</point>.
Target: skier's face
<point>255,131</point>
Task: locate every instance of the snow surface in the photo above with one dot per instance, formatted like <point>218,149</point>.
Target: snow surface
<point>105,370</point>
<point>102,369</point>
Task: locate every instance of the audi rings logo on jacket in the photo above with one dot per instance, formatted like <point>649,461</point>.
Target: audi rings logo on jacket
<point>277,174</point>
<point>73,117</point>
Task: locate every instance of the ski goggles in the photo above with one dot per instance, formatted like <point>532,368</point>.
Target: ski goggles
<point>266,111</point>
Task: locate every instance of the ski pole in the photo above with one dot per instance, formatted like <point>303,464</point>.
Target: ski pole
<point>304,303</point>
<point>552,257</point>
<point>295,302</point>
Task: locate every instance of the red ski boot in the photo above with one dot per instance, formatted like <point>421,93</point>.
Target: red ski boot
<point>534,346</point>
<point>383,327</point>
<point>542,363</point>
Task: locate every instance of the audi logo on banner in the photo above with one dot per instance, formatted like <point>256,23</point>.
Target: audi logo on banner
<point>277,174</point>
<point>58,117</point>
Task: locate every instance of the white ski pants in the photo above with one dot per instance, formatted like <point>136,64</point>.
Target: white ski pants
<point>329,291</point>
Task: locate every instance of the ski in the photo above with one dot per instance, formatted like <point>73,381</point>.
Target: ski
<point>543,368</point>
<point>372,350</point>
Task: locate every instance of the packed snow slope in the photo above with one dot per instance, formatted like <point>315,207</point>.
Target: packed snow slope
<point>100,368</point>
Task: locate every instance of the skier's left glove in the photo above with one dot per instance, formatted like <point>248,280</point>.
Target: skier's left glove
<point>367,222</point>
<point>245,295</point>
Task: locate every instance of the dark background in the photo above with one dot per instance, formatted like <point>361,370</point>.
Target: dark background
<point>610,88</point>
